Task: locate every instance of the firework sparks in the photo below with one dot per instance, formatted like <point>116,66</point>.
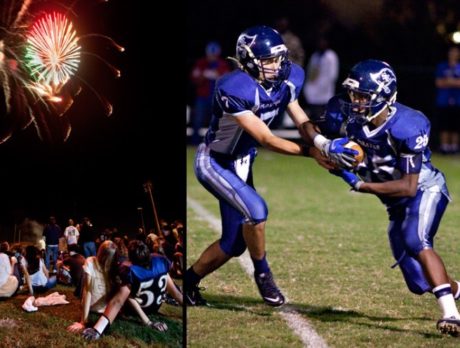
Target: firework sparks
<point>52,54</point>
<point>40,56</point>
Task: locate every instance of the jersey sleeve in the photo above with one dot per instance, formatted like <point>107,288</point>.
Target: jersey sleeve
<point>296,78</point>
<point>413,137</point>
<point>236,94</point>
<point>416,136</point>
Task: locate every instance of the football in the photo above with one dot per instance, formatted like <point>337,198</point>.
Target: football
<point>355,146</point>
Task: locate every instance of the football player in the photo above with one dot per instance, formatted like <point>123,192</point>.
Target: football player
<point>144,282</point>
<point>397,169</point>
<point>245,102</point>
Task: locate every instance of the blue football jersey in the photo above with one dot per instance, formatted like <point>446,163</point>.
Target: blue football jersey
<point>398,146</point>
<point>237,93</point>
<point>148,285</point>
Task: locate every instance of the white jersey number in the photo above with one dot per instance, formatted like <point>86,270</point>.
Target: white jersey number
<point>145,296</point>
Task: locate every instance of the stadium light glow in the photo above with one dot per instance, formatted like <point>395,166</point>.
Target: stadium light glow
<point>456,37</point>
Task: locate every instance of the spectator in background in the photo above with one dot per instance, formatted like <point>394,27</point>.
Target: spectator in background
<point>71,233</point>
<point>72,264</point>
<point>448,101</point>
<point>38,272</point>
<point>87,238</point>
<point>8,282</point>
<point>52,232</point>
<point>322,73</point>
<point>291,40</point>
<point>204,75</point>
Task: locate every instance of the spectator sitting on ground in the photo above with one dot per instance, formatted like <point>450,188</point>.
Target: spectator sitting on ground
<point>39,276</point>
<point>98,282</point>
<point>8,282</point>
<point>71,267</point>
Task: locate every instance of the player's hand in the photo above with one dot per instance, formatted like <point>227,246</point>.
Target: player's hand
<point>91,334</point>
<point>339,154</point>
<point>350,178</point>
<point>322,160</point>
<point>158,325</point>
<point>76,327</point>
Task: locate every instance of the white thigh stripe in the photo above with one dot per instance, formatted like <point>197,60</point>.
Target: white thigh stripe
<point>427,210</point>
<point>219,183</point>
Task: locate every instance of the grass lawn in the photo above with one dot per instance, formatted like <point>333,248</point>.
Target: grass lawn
<point>47,326</point>
<point>329,252</point>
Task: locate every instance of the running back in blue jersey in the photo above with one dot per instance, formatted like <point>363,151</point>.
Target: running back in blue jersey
<point>397,147</point>
<point>148,285</point>
<point>237,93</point>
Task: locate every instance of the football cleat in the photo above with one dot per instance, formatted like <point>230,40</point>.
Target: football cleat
<point>193,296</point>
<point>268,289</point>
<point>449,326</point>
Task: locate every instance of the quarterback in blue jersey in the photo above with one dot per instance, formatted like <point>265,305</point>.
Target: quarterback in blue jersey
<point>245,103</point>
<point>398,170</point>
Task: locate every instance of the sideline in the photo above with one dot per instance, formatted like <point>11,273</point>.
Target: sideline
<point>301,327</point>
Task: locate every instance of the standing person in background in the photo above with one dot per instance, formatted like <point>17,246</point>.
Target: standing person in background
<point>52,232</point>
<point>291,40</point>
<point>71,233</point>
<point>87,238</point>
<point>204,75</point>
<point>448,101</point>
<point>322,72</point>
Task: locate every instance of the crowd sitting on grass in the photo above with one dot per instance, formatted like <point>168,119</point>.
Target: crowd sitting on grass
<point>136,274</point>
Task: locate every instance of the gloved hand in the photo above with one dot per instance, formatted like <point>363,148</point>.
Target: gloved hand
<point>91,334</point>
<point>350,178</point>
<point>338,154</point>
<point>158,325</point>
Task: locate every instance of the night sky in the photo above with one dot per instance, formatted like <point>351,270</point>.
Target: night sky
<point>99,172</point>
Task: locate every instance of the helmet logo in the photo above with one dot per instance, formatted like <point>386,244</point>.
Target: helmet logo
<point>245,40</point>
<point>350,83</point>
<point>384,78</point>
<point>278,49</point>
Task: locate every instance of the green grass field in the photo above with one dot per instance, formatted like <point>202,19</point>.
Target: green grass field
<point>46,327</point>
<point>329,252</point>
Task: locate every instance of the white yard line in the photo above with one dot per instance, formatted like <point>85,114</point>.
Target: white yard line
<point>295,321</point>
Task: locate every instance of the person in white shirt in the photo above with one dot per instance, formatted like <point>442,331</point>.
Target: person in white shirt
<point>98,283</point>
<point>8,282</point>
<point>71,233</point>
<point>322,72</point>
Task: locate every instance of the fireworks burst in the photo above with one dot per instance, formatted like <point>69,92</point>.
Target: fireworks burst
<point>52,54</point>
<point>40,55</point>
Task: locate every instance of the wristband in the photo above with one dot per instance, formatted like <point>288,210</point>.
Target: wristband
<point>320,141</point>
<point>101,324</point>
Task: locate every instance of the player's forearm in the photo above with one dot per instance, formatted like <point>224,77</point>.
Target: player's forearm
<point>308,132</point>
<point>394,188</point>
<point>283,146</point>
